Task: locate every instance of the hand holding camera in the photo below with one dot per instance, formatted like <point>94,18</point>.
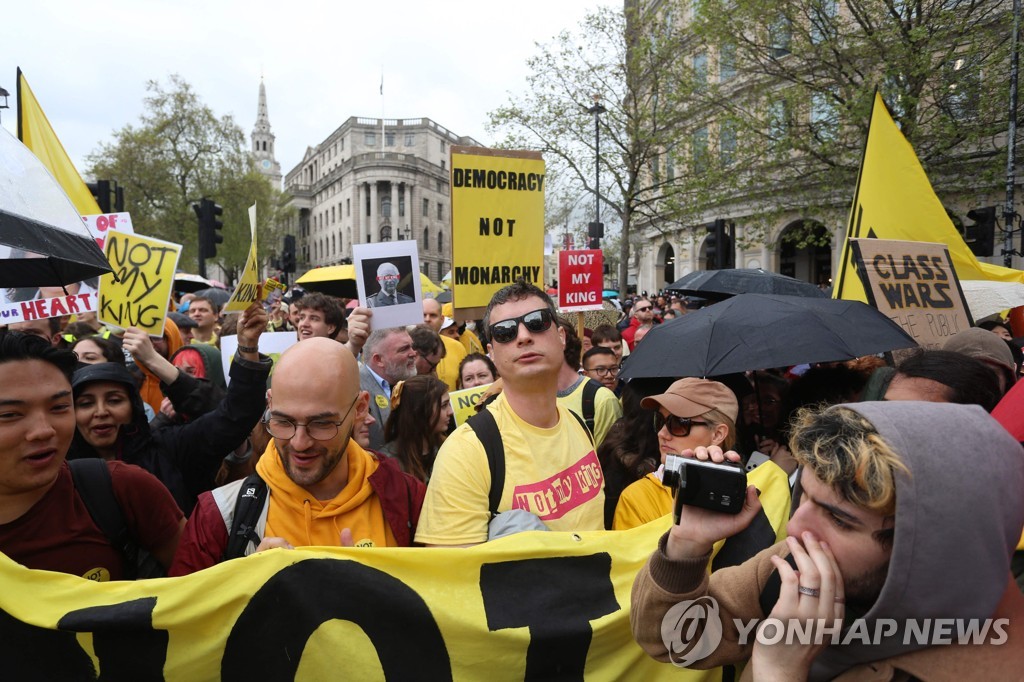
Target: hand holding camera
<point>712,500</point>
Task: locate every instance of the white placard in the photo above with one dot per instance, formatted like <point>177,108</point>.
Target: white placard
<point>388,280</point>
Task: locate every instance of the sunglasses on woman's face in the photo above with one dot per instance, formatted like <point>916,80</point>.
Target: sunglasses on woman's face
<point>535,321</point>
<point>677,426</point>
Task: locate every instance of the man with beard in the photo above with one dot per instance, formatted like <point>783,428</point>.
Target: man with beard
<point>324,488</point>
<point>387,279</point>
<point>909,514</point>
<point>388,357</point>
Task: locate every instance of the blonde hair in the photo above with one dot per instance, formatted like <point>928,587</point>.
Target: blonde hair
<point>845,452</point>
<point>716,417</point>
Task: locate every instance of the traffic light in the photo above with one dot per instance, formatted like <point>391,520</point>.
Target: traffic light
<point>210,225</point>
<point>980,236</point>
<point>101,192</point>
<point>288,254</point>
<point>595,231</point>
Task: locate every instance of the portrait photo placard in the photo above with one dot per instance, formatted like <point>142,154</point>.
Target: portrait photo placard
<point>388,281</point>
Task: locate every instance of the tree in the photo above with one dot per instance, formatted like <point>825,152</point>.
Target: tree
<point>796,82</point>
<point>629,62</point>
<point>179,152</point>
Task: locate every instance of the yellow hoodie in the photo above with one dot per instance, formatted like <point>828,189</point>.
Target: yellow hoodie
<point>301,519</point>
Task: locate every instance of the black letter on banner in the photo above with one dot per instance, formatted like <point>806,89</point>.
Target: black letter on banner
<point>281,616</point>
<point>33,653</point>
<point>556,598</point>
<point>124,639</point>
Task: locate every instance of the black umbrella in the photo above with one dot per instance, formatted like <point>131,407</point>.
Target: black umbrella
<point>183,281</point>
<point>218,296</point>
<point>43,241</point>
<point>718,285</point>
<point>758,331</point>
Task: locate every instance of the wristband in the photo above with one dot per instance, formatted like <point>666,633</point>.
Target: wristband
<point>248,349</point>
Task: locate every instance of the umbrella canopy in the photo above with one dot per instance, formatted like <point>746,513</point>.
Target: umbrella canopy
<point>43,241</point>
<point>718,285</point>
<point>333,280</point>
<point>218,296</point>
<point>183,281</point>
<point>444,297</point>
<point>759,331</point>
<point>610,293</point>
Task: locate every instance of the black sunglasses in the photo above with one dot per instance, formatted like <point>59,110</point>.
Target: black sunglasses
<point>536,321</point>
<point>677,426</point>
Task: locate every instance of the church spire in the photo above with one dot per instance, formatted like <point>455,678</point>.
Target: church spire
<point>263,141</point>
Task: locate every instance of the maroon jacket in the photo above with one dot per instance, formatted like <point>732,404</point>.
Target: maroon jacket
<point>206,534</point>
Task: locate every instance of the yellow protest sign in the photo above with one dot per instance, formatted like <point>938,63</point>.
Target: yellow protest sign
<point>144,269</point>
<point>528,606</point>
<point>464,402</point>
<point>894,200</point>
<point>497,222</point>
<point>915,285</point>
<point>249,288</point>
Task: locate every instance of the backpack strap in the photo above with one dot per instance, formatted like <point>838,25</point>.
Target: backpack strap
<point>590,433</point>
<point>590,389</point>
<point>486,430</point>
<point>249,507</point>
<point>91,478</point>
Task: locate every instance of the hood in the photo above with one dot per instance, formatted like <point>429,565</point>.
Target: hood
<point>134,434</point>
<point>211,361</point>
<point>150,389</point>
<point>958,520</point>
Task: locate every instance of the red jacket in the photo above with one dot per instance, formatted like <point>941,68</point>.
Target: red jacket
<point>629,332</point>
<point>206,534</point>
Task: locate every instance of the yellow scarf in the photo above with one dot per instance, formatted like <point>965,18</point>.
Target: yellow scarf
<point>301,519</point>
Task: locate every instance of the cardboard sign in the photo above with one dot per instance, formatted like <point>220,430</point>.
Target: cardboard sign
<point>145,269</point>
<point>100,225</point>
<point>42,308</point>
<point>497,222</point>
<point>580,280</point>
<point>271,344</point>
<point>248,289</point>
<point>464,402</point>
<point>915,285</point>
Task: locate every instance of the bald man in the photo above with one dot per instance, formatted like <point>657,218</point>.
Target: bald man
<point>448,368</point>
<point>313,469</point>
<point>387,279</point>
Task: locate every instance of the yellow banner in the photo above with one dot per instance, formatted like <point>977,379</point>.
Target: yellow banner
<point>249,288</point>
<point>144,268</point>
<point>529,606</point>
<point>36,133</point>
<point>497,222</point>
<point>464,402</point>
<point>894,200</point>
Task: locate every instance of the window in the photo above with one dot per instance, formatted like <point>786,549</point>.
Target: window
<point>727,143</point>
<point>440,271</point>
<point>343,144</point>
<point>369,139</point>
<point>426,208</point>
<point>426,239</point>
<point>440,211</point>
<point>385,206</point>
<point>334,246</point>
<point>440,241</point>
<point>389,139</point>
<point>440,187</point>
<point>824,118</point>
<point>726,63</point>
<point>332,215</point>
<point>444,145</point>
<point>444,164</point>
<point>410,139</point>
<point>779,38</point>
<point>700,68</point>
<point>778,123</point>
<point>963,88</point>
<point>348,207</point>
<point>823,16</point>
<point>367,203</point>
<point>401,204</point>
<point>699,149</point>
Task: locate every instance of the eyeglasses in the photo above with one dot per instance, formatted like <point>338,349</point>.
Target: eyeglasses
<point>536,321</point>
<point>677,426</point>
<point>605,371</point>
<point>642,310</point>
<point>318,429</point>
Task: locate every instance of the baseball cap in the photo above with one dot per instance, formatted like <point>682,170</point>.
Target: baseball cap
<point>183,321</point>
<point>693,397</point>
<point>447,323</point>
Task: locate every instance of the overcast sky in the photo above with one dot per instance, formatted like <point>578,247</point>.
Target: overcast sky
<point>453,62</point>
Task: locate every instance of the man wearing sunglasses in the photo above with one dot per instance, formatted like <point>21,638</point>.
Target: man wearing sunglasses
<point>550,468</point>
<point>642,314</point>
<point>324,488</point>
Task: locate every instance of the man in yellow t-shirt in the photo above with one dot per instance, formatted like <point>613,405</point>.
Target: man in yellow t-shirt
<point>574,390</point>
<point>551,468</point>
<point>448,369</point>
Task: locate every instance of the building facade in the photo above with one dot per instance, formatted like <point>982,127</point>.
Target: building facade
<point>375,180</point>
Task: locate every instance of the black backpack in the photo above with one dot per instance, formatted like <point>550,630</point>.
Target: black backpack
<point>92,481</point>
<point>486,430</point>
<point>248,508</point>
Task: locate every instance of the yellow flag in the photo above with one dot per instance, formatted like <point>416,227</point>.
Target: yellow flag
<point>894,200</point>
<point>36,133</point>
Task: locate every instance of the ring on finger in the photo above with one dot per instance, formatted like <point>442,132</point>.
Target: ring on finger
<point>809,591</point>
<point>840,600</point>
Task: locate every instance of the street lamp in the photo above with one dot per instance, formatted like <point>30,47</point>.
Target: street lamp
<point>3,99</point>
<point>596,228</point>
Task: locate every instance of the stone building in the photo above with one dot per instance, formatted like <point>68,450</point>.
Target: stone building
<point>374,180</point>
<point>263,142</point>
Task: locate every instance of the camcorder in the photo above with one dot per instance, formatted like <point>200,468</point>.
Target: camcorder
<point>717,487</point>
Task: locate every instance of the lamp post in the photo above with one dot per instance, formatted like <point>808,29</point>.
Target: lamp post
<point>3,98</point>
<point>596,228</point>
